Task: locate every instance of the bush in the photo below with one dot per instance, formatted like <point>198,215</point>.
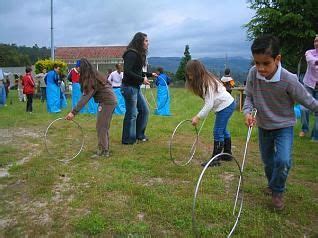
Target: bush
<point>48,65</point>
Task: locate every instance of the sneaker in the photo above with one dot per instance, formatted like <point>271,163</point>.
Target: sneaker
<point>143,139</point>
<point>302,134</point>
<point>278,201</point>
<point>267,191</point>
<point>105,154</point>
<point>100,153</point>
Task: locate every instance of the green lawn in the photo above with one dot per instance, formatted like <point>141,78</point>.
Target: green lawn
<point>138,191</point>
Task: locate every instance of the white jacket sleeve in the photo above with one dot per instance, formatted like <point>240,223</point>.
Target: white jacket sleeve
<point>208,104</point>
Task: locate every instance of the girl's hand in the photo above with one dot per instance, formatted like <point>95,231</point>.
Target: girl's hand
<point>195,120</point>
<point>69,116</point>
<point>146,81</point>
<point>250,120</point>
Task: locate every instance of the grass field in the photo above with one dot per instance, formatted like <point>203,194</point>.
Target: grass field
<point>138,191</point>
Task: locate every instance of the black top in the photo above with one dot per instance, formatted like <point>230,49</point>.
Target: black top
<point>133,75</point>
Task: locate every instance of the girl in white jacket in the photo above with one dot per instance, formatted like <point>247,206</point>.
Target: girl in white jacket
<point>205,85</point>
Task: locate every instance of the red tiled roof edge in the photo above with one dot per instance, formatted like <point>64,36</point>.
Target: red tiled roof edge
<point>90,52</point>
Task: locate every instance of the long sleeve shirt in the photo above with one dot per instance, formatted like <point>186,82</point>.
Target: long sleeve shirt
<point>274,99</point>
<point>133,69</point>
<point>28,84</point>
<point>311,76</point>
<point>115,78</point>
<point>215,100</point>
<point>101,94</point>
<point>73,76</point>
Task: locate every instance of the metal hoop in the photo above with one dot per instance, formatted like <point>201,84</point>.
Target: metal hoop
<point>153,96</point>
<point>238,190</point>
<point>193,147</point>
<point>82,136</point>
<point>194,226</point>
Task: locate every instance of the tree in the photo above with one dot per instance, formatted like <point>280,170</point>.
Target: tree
<point>294,22</point>
<point>180,74</point>
<point>13,55</point>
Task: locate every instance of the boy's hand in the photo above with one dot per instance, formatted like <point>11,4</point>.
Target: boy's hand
<point>250,120</point>
<point>195,120</point>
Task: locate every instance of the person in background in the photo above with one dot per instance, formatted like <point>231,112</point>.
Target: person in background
<point>163,96</point>
<point>53,90</point>
<point>40,77</point>
<point>208,87</point>
<point>73,76</point>
<point>93,85</point>
<point>273,91</point>
<point>115,79</point>
<point>3,97</point>
<point>28,88</point>
<point>7,85</point>
<point>227,80</point>
<point>311,84</point>
<point>21,95</point>
<point>137,112</point>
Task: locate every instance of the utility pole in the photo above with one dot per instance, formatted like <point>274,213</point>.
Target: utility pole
<point>52,38</point>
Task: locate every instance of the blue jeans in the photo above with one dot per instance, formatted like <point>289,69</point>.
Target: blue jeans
<point>221,120</point>
<point>136,116</point>
<point>276,152</point>
<point>43,94</point>
<point>305,116</point>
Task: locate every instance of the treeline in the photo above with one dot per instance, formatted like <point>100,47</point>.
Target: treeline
<point>13,55</point>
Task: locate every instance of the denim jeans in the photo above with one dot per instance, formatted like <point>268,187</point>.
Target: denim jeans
<point>276,152</point>
<point>136,116</point>
<point>305,116</point>
<point>221,120</point>
<point>43,94</point>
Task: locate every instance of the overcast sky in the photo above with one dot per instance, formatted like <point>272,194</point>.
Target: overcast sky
<point>212,28</point>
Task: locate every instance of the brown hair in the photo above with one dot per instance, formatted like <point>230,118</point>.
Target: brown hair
<point>137,44</point>
<point>89,76</point>
<point>202,78</point>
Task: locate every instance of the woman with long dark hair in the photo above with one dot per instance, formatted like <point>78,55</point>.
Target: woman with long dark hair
<point>136,116</point>
<point>93,84</point>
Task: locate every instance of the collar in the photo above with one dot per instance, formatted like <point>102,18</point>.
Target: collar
<point>275,78</point>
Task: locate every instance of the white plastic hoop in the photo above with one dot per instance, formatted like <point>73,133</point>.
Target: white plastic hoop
<point>82,140</point>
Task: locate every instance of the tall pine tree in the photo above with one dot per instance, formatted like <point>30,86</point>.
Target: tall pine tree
<point>180,74</point>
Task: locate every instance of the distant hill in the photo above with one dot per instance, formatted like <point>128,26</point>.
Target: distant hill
<point>239,66</point>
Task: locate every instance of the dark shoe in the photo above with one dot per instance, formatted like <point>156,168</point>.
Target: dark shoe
<point>268,191</point>
<point>214,163</point>
<point>217,149</point>
<point>143,139</point>
<point>278,201</point>
<point>128,143</point>
<point>227,149</point>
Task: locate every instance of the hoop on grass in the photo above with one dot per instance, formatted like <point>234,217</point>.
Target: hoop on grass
<point>238,201</point>
<point>64,140</point>
<point>211,202</point>
<point>182,146</point>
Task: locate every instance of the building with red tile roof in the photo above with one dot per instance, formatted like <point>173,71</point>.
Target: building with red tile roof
<point>103,57</point>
